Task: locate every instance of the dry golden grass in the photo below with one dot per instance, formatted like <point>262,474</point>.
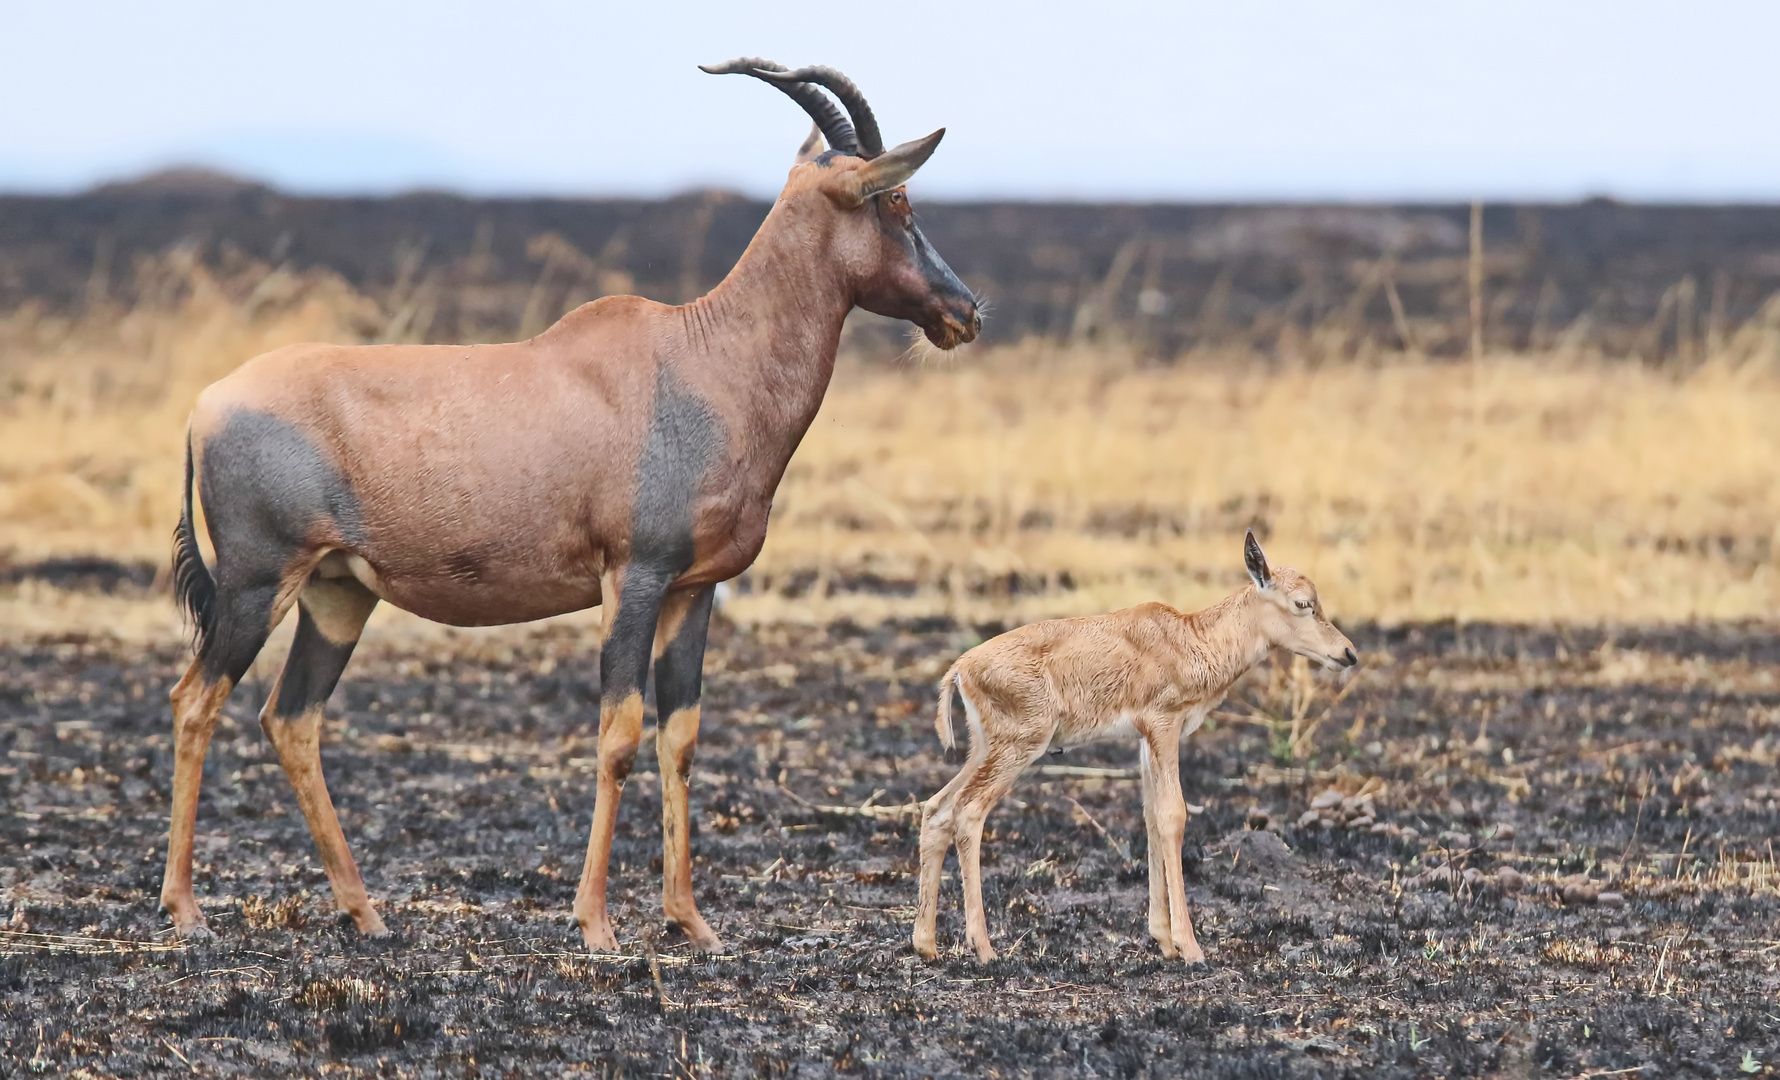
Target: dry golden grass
<point>1026,482</point>
<point>1524,488</point>
<point>92,413</point>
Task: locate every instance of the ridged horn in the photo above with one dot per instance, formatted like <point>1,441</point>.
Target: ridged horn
<point>833,125</point>
<point>871,142</point>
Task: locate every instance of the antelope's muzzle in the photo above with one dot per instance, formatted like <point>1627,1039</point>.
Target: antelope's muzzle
<point>958,325</point>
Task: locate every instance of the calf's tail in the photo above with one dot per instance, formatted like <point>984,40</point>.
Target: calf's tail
<point>942,720</point>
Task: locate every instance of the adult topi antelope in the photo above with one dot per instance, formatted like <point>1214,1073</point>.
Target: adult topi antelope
<point>626,457</point>
<point>1148,673</point>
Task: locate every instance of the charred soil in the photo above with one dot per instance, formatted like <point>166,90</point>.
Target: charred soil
<point>1546,853</point>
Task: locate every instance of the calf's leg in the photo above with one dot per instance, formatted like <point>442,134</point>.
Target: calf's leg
<point>1171,822</point>
<point>1000,768</point>
<point>937,830</point>
<point>1159,927</point>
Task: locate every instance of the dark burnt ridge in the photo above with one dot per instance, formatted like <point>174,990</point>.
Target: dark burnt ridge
<point>84,573</point>
<point>1627,777</point>
<point>1646,280</point>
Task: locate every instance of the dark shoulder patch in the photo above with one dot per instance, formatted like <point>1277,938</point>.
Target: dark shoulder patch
<point>685,437</point>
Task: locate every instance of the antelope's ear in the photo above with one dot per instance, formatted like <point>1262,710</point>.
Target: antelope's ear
<point>888,170</point>
<point>812,147</point>
<point>1256,561</point>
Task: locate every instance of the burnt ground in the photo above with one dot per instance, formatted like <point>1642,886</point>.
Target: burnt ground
<point>1629,779</point>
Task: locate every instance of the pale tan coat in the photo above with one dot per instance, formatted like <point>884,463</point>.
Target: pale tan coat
<point>1147,673</point>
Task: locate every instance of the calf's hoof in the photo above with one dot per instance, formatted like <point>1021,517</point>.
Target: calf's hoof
<point>370,924</point>
<point>188,921</point>
<point>699,933</point>
<point>599,937</point>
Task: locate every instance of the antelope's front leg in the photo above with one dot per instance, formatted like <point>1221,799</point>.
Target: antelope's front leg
<point>632,598</point>
<point>679,676</point>
<point>1163,743</point>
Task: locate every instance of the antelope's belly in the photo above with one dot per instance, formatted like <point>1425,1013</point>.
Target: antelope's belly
<point>459,592</point>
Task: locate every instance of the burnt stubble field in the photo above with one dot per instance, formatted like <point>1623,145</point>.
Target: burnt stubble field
<point>1589,887</point>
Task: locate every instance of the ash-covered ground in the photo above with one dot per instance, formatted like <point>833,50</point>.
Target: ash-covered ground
<point>1628,781</point>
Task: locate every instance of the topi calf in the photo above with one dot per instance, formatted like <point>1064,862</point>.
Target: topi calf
<point>1149,673</point>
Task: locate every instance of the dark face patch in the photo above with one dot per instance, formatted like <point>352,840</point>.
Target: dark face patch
<point>939,277</point>
<point>916,284</point>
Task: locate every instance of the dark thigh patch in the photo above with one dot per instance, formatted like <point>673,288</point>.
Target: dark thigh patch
<point>685,437</point>
<point>267,487</point>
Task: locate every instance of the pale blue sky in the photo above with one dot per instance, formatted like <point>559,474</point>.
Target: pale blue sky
<point>1244,100</point>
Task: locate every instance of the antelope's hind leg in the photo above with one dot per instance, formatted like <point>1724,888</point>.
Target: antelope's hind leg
<point>632,601</point>
<point>331,616</point>
<point>244,617</point>
<point>679,675</point>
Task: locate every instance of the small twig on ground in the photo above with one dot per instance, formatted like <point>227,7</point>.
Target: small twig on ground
<point>1050,989</point>
<point>1087,771</point>
<point>1123,851</point>
<point>1639,820</point>
<point>662,1004</point>
<point>222,971</point>
<point>1657,976</point>
<point>865,809</point>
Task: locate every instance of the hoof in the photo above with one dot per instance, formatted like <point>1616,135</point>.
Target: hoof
<point>1192,955</point>
<point>189,922</point>
<point>371,926</point>
<point>599,938</point>
<point>699,933</point>
<point>926,950</point>
<point>1167,948</point>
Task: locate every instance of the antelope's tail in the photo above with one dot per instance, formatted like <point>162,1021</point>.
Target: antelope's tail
<point>193,587</point>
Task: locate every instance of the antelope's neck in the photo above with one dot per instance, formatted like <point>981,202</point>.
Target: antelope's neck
<point>768,334</point>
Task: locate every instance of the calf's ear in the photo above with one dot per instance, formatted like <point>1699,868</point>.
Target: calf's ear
<point>1256,561</point>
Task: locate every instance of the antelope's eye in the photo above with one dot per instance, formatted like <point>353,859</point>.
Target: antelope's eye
<point>1304,605</point>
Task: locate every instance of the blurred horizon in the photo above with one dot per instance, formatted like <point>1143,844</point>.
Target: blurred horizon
<point>1275,102</point>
